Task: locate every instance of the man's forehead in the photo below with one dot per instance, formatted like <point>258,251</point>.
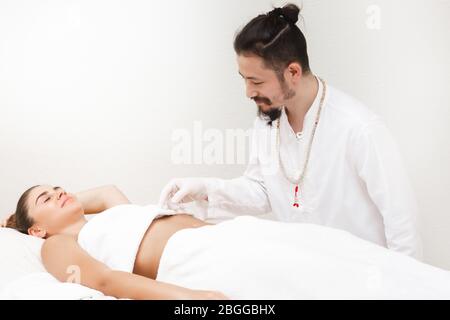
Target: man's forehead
<point>253,66</point>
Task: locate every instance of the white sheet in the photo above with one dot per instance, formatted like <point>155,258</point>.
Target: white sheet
<point>250,258</point>
<point>43,286</point>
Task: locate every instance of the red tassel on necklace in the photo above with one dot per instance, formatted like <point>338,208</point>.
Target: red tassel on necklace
<point>296,202</point>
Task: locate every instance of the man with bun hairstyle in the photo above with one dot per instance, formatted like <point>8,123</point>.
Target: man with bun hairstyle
<point>318,155</point>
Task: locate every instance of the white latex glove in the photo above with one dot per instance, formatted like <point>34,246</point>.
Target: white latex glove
<point>183,190</point>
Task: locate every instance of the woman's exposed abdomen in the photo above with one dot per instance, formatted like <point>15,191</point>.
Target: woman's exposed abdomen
<point>155,239</point>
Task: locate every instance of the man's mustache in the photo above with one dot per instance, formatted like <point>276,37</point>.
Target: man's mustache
<point>262,100</point>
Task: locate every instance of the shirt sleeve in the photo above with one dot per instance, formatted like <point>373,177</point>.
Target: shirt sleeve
<point>245,195</point>
<point>380,166</point>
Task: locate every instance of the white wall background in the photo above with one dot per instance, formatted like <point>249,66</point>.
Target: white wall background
<point>91,91</point>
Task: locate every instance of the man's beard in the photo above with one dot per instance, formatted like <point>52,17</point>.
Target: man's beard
<point>274,112</point>
<point>270,115</point>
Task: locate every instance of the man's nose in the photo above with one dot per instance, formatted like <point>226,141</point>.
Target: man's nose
<point>250,92</point>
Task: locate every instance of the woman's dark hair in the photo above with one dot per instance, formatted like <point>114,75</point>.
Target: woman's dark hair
<point>275,38</point>
<point>20,220</point>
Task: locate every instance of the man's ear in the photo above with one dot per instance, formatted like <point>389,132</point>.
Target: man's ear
<point>294,72</point>
<point>37,231</point>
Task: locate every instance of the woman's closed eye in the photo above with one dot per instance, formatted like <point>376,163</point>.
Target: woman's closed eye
<point>46,196</point>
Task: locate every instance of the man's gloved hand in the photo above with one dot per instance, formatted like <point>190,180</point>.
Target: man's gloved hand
<point>183,190</point>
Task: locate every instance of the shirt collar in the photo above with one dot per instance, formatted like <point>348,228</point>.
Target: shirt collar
<point>310,116</point>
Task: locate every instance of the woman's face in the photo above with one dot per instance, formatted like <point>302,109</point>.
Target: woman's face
<point>52,209</point>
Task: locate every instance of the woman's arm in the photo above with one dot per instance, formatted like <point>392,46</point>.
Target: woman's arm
<point>99,199</point>
<point>66,260</point>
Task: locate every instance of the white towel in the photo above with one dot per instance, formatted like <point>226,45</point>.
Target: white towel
<point>250,258</point>
<point>113,236</point>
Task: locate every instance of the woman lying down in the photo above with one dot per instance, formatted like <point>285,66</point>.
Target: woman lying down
<point>130,251</point>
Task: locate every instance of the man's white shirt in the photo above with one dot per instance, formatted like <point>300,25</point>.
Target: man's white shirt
<point>355,179</point>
